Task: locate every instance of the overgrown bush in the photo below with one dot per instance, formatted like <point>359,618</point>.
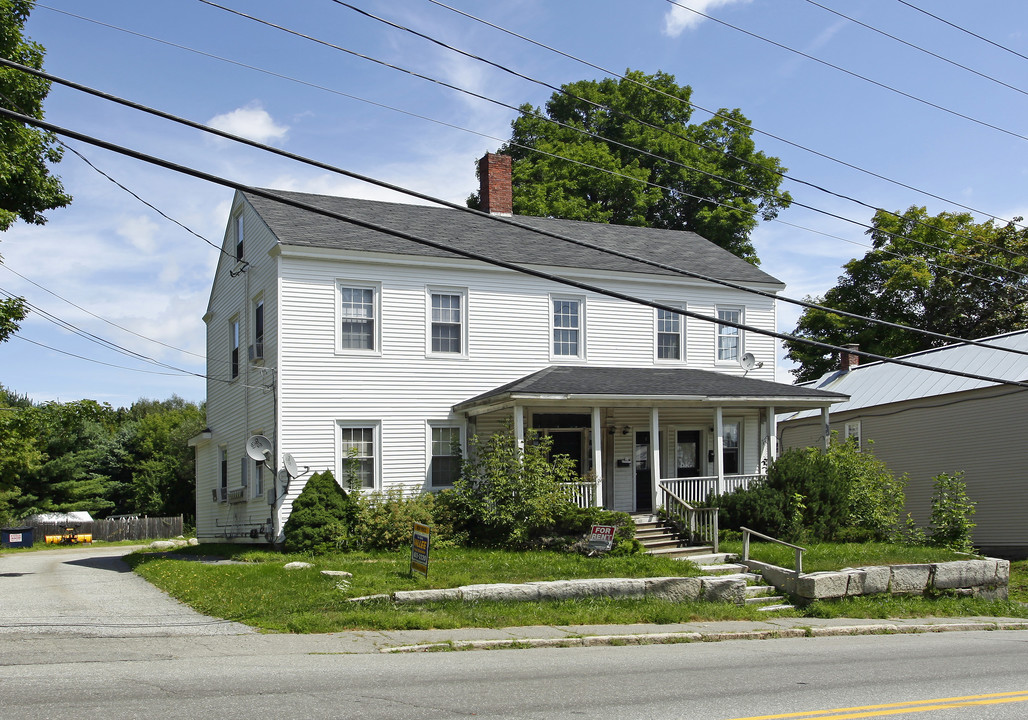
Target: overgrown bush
<point>840,494</point>
<point>508,495</point>
<point>385,520</point>
<point>950,525</point>
<point>321,517</point>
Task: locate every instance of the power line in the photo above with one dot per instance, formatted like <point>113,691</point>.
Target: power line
<point>963,29</point>
<point>720,116</point>
<point>851,73</point>
<point>917,47</point>
<point>508,221</point>
<point>514,267</point>
<point>614,142</point>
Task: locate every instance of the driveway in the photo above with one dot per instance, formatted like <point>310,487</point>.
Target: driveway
<point>87,591</point>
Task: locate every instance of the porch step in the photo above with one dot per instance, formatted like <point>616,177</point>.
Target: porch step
<point>659,538</point>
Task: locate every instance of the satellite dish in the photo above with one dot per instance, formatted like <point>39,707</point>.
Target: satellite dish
<point>259,448</point>
<point>290,465</point>
<point>748,362</point>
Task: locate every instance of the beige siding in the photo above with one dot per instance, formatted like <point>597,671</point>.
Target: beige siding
<point>978,432</point>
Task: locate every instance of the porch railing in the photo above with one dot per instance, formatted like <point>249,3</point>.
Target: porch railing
<point>696,490</point>
<point>699,524</point>
<point>582,494</point>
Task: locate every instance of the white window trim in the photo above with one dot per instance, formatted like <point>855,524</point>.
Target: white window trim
<point>239,238</point>
<point>447,290</point>
<point>582,327</point>
<point>851,424</point>
<point>683,353</point>
<point>717,335</point>
<point>235,345</point>
<point>431,425</point>
<point>741,422</point>
<point>376,440</point>
<point>258,302</point>
<point>376,291</point>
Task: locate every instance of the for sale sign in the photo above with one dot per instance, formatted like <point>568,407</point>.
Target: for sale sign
<point>601,537</point>
<point>419,549</point>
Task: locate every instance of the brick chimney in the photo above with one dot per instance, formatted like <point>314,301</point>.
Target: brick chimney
<point>848,361</point>
<point>494,191</point>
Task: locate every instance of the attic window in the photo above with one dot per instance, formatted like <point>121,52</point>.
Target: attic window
<point>239,238</point>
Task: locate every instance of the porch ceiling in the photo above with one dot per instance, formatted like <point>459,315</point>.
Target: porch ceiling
<point>626,386</point>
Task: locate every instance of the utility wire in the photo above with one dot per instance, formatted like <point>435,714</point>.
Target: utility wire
<point>917,47</point>
<point>851,73</point>
<point>587,133</point>
<point>462,208</point>
<point>963,29</point>
<point>718,115</point>
<point>575,129</point>
<point>514,267</point>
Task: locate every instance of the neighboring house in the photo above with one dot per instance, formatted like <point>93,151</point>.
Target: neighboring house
<point>925,423</point>
<point>328,338</point>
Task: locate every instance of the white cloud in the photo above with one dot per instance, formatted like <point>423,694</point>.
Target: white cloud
<point>251,121</point>
<point>679,19</point>
<point>140,231</point>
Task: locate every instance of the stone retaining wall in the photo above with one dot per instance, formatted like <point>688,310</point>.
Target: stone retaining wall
<point>724,588</point>
<point>987,578</point>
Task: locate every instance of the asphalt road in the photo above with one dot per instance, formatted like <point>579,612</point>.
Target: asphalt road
<point>89,591</point>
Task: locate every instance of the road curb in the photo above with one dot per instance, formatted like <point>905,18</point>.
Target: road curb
<point>668,638</point>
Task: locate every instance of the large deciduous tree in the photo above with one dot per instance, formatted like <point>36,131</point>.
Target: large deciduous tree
<point>947,274</point>
<point>624,152</point>
<point>27,188</point>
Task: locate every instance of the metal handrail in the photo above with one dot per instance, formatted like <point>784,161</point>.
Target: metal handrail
<point>746,532</point>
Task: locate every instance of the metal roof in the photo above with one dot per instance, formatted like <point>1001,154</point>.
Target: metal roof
<point>465,231</point>
<point>880,383</point>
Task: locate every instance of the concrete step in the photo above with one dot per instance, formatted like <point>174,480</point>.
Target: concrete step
<point>723,568</point>
<point>679,553</point>
<point>773,608</point>
<point>709,559</point>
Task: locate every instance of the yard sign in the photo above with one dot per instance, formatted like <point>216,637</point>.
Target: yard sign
<point>419,549</point>
<point>601,537</point>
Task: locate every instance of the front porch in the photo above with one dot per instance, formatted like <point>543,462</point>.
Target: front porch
<point>649,439</point>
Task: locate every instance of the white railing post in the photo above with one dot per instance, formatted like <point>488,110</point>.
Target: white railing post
<point>719,449</point>
<point>519,426</point>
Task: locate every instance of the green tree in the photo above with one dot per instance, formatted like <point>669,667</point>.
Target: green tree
<point>321,516</point>
<point>27,188</point>
<point>706,177</point>
<point>947,274</point>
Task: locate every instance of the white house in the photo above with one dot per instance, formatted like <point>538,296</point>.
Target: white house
<point>923,423</point>
<point>325,335</point>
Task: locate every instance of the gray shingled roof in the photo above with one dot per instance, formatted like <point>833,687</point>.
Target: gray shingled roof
<point>657,383</point>
<point>294,226</point>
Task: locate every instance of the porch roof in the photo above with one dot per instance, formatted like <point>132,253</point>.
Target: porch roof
<point>627,386</point>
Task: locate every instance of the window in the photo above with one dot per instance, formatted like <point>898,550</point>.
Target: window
<point>730,462</point>
<point>258,478</point>
<point>447,322</point>
<point>853,432</point>
<point>234,346</point>
<point>223,467</point>
<point>729,339</point>
<point>446,453</point>
<point>669,335</point>
<point>258,330</point>
<point>567,327</point>
<point>244,476</point>
<point>357,446</point>
<point>239,238</point>
<point>357,313</point>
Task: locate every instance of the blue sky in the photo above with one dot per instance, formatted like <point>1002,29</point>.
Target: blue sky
<point>135,279</point>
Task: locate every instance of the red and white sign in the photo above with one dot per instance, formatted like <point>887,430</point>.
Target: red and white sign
<point>601,537</point>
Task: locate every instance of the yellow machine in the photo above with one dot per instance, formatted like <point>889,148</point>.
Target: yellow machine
<point>68,537</point>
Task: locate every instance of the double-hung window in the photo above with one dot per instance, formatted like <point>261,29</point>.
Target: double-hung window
<point>223,469</point>
<point>567,325</point>
<point>239,238</point>
<point>446,455</point>
<point>670,335</point>
<point>358,317</point>
<point>730,454</point>
<point>357,445</point>
<point>258,330</point>
<point>447,321</point>
<point>233,332</point>
<point>729,338</point>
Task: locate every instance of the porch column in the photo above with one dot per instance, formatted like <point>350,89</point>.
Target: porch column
<point>772,435</point>
<point>519,426</point>
<point>826,422</point>
<point>598,457</point>
<point>719,448</point>
<point>654,454</point>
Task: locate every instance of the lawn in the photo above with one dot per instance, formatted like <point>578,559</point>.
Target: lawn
<point>258,591</point>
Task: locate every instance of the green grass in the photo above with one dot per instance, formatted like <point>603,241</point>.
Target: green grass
<point>260,593</point>
<point>835,556</point>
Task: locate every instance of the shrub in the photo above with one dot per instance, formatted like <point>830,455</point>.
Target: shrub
<point>840,494</point>
<point>950,524</point>
<point>385,520</point>
<point>320,518</point>
<point>506,494</point>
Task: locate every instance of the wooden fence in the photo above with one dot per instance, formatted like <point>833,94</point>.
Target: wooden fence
<point>136,528</point>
